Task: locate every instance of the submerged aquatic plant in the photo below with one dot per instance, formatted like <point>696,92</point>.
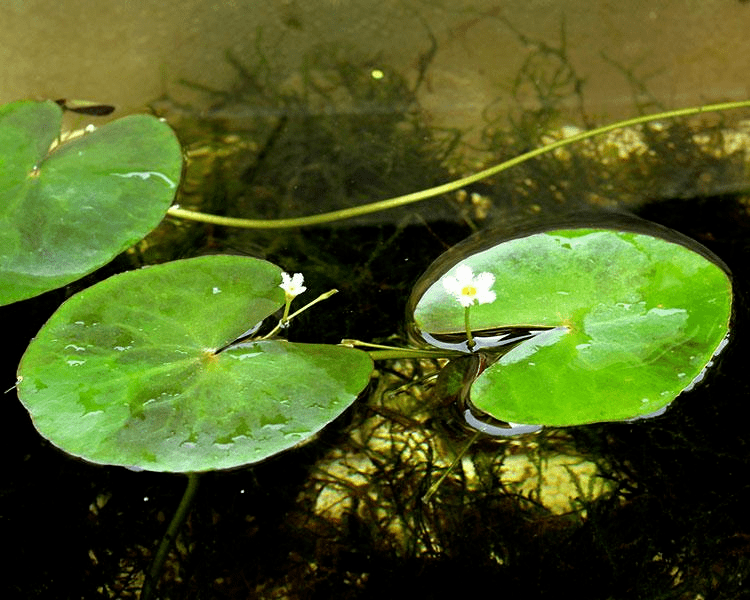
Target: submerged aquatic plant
<point>411,198</point>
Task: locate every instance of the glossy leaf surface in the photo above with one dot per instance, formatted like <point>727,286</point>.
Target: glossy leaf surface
<point>67,211</point>
<point>126,373</point>
<point>634,319</point>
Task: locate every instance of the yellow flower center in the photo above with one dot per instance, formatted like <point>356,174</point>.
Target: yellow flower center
<point>469,290</point>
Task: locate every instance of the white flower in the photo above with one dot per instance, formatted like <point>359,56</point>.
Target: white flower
<point>292,286</point>
<point>468,288</point>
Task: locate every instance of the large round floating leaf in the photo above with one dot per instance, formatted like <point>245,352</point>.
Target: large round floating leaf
<point>67,211</point>
<point>625,321</point>
<point>127,373</point>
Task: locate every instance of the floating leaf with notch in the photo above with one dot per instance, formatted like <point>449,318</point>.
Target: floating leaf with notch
<point>127,373</point>
<point>68,210</point>
<point>624,320</point>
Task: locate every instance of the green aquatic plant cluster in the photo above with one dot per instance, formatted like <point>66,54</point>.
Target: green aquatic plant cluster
<point>186,368</point>
<point>181,366</point>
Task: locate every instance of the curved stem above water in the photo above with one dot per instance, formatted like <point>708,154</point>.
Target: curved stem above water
<point>348,213</point>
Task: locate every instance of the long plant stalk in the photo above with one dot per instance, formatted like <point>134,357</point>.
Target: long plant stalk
<point>186,503</point>
<point>347,213</point>
<point>434,487</point>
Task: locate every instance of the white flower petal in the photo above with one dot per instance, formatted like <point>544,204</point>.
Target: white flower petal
<point>468,288</point>
<point>484,281</point>
<point>485,297</point>
<point>464,275</point>
<point>292,286</point>
<point>451,285</point>
<point>466,301</point>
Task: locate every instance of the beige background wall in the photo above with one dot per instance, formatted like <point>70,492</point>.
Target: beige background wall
<point>127,53</point>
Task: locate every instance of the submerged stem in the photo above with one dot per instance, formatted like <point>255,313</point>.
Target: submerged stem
<point>347,213</point>
<point>434,487</point>
<point>152,577</point>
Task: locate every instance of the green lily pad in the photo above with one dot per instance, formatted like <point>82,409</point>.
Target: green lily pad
<point>127,372</point>
<point>624,322</point>
<point>67,211</point>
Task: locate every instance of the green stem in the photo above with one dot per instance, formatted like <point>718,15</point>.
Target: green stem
<point>347,213</point>
<point>152,577</point>
<point>396,353</point>
<point>434,487</point>
<point>470,343</point>
<point>287,317</point>
<point>381,352</point>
